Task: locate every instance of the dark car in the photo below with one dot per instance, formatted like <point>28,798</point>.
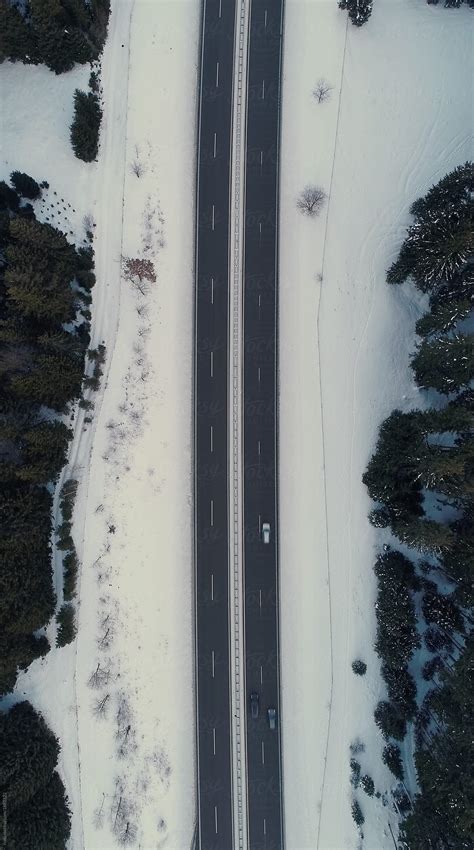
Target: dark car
<point>254,705</point>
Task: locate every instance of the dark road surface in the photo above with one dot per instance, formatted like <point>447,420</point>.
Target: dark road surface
<point>215,827</point>
<point>260,425</point>
<point>211,431</point>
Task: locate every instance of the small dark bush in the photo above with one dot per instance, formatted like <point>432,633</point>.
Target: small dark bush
<point>359,667</point>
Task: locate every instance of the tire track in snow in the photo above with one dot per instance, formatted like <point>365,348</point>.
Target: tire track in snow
<point>323,782</point>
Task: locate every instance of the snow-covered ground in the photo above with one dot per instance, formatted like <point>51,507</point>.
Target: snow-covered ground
<point>133,763</point>
<point>397,121</point>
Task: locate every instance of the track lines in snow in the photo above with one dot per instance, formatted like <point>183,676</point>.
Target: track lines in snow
<point>323,442</point>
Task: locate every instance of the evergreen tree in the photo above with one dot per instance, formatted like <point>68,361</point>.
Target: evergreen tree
<point>425,535</point>
<point>442,815</point>
<point>401,689</point>
<point>391,476</point>
<point>389,721</point>
<point>445,363</point>
<point>53,382</point>
<point>44,823</point>
<point>66,625</point>
<point>37,815</point>
<point>359,10</point>
<point>391,756</point>
<point>25,185</point>
<point>397,635</point>
<point>86,125</point>
<point>17,37</point>
<point>28,753</point>
<point>441,610</point>
<point>441,239</point>
<point>357,815</point>
<point>444,316</point>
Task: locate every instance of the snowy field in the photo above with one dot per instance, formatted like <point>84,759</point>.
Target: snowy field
<point>397,121</point>
<point>127,734</point>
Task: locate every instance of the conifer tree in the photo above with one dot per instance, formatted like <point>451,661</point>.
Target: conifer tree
<point>445,363</point>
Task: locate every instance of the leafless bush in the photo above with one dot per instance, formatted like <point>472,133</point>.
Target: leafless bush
<point>124,734</point>
<point>101,707</point>
<point>322,90</point>
<point>99,677</point>
<point>311,200</point>
<point>121,813</point>
<point>88,223</point>
<point>105,639</point>
<point>98,816</point>
<point>137,168</point>
<point>126,833</point>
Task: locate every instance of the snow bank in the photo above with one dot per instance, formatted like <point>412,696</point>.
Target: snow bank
<point>397,121</point>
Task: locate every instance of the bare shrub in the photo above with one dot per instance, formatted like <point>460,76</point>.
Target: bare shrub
<point>101,707</point>
<point>126,833</point>
<point>99,677</point>
<point>139,272</point>
<point>322,90</point>
<point>137,167</point>
<point>98,816</point>
<point>311,200</point>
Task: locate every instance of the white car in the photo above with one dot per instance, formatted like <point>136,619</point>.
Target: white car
<point>266,532</point>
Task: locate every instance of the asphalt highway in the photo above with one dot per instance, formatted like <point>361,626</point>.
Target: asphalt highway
<point>211,428</point>
<point>213,705</point>
<point>260,425</point>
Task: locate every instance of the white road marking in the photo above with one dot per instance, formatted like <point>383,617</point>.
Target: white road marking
<point>212,511</point>
<point>217,75</point>
<point>266,15</point>
<point>212,438</point>
<point>215,819</point>
<point>263,89</point>
<point>215,144</point>
<point>261,161</point>
<point>212,587</point>
<point>212,364</point>
<point>212,290</point>
<point>220,8</point>
<point>259,447</point>
<point>259,374</point>
<point>213,661</point>
<point>264,826</point>
<point>259,523</point>
<point>263,752</point>
<point>213,217</point>
<point>261,674</point>
<point>260,599</point>
<point>214,741</point>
